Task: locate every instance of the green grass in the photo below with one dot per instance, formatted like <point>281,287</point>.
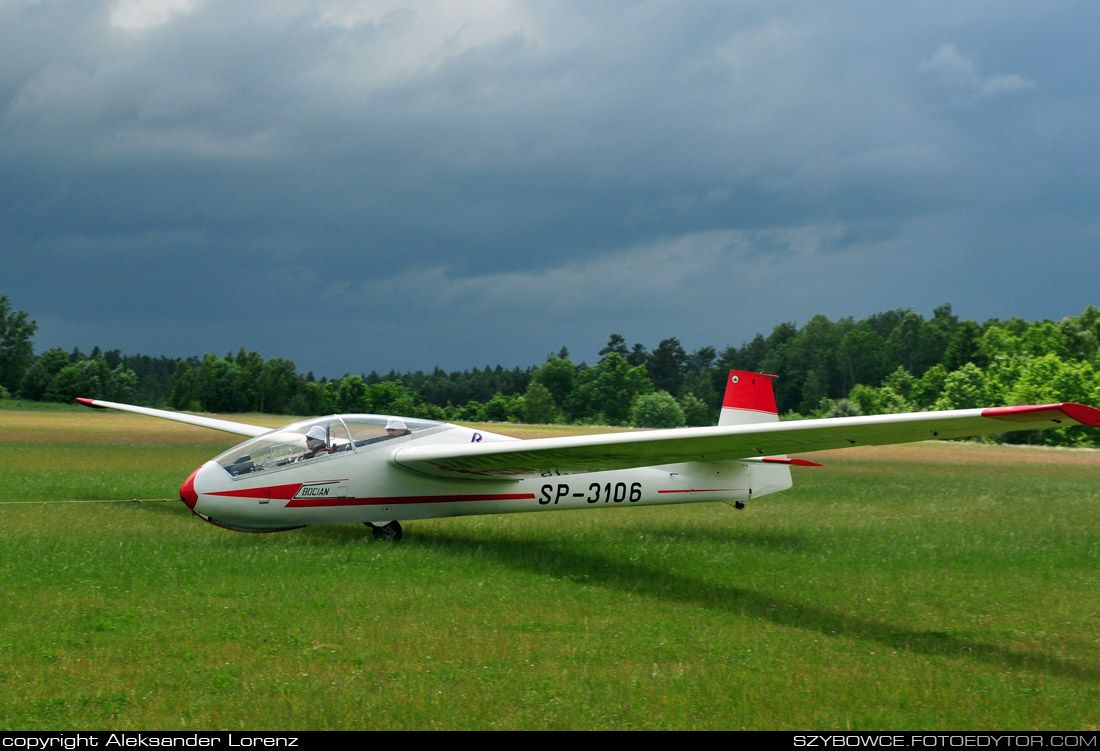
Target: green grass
<point>924,587</point>
<point>26,404</point>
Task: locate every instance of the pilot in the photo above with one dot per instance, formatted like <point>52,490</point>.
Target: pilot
<point>316,444</point>
<point>396,428</point>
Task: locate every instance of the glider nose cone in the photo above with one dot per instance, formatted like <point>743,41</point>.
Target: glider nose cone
<point>187,491</point>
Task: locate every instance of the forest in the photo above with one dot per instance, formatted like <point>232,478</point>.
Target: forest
<point>895,361</point>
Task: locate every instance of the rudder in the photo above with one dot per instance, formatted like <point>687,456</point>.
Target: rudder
<point>749,399</point>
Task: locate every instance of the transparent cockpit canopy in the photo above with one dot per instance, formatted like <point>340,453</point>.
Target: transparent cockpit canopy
<point>315,440</point>
<point>286,445</point>
<point>367,430</point>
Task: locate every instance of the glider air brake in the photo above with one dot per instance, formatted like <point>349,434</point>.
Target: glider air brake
<point>381,470</point>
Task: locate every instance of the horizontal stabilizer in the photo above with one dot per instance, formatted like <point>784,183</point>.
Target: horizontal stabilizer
<point>790,462</point>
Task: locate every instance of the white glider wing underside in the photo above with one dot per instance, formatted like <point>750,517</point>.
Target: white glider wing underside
<point>227,426</point>
<point>712,444</point>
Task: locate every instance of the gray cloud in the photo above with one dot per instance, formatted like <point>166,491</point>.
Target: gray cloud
<point>958,70</point>
<point>486,181</point>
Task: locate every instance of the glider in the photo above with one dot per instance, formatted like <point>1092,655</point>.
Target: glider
<point>381,470</point>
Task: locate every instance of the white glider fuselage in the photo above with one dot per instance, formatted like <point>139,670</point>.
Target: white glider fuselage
<point>380,470</point>
<point>367,484</point>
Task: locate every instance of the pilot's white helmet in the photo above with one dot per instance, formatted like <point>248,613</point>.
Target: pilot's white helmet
<point>317,433</point>
<point>395,424</point>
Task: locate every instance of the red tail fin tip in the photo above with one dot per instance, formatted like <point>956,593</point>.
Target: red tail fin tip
<point>752,391</point>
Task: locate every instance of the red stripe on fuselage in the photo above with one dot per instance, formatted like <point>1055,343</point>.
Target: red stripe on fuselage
<point>287,493</point>
<point>274,492</point>
<point>404,499</point>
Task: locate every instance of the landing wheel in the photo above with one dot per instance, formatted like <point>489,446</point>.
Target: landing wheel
<point>739,505</point>
<point>389,532</point>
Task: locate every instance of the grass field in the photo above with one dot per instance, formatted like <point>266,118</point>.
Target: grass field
<point>932,586</point>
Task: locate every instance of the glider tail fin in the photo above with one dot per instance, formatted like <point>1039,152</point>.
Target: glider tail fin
<point>749,399</point>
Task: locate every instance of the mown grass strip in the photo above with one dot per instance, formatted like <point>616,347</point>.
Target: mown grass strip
<point>921,587</point>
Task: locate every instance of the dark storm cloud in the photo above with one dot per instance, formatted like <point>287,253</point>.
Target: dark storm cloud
<point>362,185</point>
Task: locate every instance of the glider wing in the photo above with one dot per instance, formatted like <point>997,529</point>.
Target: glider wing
<point>609,451</point>
<point>227,426</point>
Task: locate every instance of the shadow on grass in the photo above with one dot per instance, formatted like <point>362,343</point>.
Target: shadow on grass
<point>637,578</point>
<point>339,534</point>
<point>778,542</point>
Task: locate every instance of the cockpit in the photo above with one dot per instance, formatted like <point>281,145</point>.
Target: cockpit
<point>318,439</point>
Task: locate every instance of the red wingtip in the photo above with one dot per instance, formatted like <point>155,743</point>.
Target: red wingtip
<point>89,403</point>
<point>1083,413</point>
<point>1078,412</point>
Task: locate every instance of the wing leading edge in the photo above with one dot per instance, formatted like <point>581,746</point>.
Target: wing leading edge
<point>228,426</point>
<point>712,444</point>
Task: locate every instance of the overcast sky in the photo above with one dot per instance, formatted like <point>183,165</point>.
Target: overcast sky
<point>371,185</point>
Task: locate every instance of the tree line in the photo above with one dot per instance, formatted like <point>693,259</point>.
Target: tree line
<point>896,361</point>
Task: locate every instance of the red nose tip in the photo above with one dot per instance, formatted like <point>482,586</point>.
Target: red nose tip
<point>187,491</point>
